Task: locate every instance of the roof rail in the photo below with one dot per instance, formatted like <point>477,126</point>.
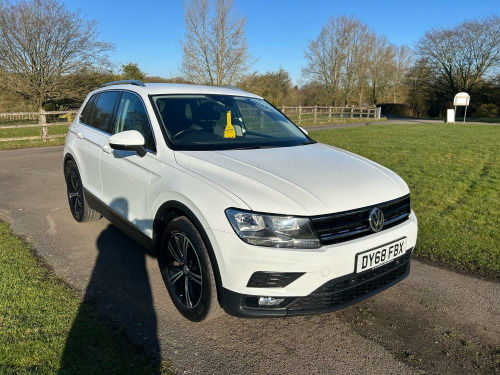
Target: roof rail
<point>232,88</point>
<point>124,82</point>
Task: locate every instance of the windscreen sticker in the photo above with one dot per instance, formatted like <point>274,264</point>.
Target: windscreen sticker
<point>229,131</point>
<point>259,103</point>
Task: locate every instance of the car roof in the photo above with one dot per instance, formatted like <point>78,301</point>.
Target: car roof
<point>177,88</point>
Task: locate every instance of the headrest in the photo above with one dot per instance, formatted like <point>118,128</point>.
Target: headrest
<point>210,111</point>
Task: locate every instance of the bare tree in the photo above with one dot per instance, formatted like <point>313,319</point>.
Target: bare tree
<point>403,63</point>
<point>337,59</point>
<point>41,42</point>
<point>382,69</point>
<point>462,58</point>
<point>417,82</point>
<point>214,48</point>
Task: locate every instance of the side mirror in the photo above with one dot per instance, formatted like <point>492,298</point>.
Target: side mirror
<point>130,140</point>
<point>304,130</point>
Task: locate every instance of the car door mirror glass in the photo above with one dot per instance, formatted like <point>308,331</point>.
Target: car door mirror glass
<point>130,140</point>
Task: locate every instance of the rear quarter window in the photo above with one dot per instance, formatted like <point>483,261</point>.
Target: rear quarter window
<point>86,115</point>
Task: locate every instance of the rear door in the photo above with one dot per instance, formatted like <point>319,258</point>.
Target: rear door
<point>94,131</point>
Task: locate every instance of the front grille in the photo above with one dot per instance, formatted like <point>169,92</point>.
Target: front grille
<point>348,225</point>
<point>343,290</point>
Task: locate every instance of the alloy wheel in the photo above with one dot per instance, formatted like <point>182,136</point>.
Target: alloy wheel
<point>184,270</point>
<point>75,193</point>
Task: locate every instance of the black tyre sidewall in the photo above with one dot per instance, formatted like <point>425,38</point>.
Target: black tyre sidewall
<point>201,310</point>
<point>72,168</point>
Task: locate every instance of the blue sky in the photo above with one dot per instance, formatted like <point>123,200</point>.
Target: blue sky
<point>148,32</point>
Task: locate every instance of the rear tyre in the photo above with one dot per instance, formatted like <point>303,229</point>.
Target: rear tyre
<point>78,205</point>
<point>187,271</point>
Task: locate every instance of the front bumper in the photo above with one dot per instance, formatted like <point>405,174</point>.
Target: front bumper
<point>309,281</point>
<point>334,295</point>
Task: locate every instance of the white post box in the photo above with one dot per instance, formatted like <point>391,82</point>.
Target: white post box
<point>450,116</point>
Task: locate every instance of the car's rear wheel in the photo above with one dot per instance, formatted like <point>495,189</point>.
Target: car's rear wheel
<point>78,205</point>
<point>187,271</point>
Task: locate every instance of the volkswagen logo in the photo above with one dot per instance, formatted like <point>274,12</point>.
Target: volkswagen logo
<point>376,219</point>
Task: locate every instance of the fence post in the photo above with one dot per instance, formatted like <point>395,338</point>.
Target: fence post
<point>378,112</point>
<point>352,111</point>
<point>300,112</point>
<point>43,122</point>
<point>341,113</point>
<point>315,113</point>
<point>329,114</point>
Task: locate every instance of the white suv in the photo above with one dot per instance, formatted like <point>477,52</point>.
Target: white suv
<point>243,210</point>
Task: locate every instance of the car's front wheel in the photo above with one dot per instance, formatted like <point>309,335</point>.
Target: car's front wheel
<point>187,271</point>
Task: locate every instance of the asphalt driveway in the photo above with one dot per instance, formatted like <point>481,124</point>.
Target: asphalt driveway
<point>436,320</point>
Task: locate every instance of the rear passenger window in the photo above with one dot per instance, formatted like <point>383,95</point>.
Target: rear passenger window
<point>103,110</point>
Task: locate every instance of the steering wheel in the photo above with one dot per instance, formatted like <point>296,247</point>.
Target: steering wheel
<point>182,132</point>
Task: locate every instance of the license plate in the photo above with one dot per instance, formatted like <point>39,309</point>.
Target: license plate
<point>381,255</point>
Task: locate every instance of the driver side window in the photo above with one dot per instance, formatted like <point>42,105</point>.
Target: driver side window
<point>132,115</point>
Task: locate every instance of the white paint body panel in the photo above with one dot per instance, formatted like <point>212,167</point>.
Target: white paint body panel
<point>302,180</point>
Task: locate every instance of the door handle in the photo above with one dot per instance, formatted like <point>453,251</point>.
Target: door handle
<point>107,149</point>
<point>79,135</point>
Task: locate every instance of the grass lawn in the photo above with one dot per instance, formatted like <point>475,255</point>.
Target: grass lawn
<point>46,329</point>
<point>453,172</point>
<point>308,120</point>
<point>28,132</point>
<point>9,145</point>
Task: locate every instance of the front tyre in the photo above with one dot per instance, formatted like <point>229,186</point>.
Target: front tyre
<point>187,271</point>
<point>78,205</point>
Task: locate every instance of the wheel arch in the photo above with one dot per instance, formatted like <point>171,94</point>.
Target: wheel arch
<point>169,211</point>
<point>68,156</point>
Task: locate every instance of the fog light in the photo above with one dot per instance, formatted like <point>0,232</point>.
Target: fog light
<point>270,301</point>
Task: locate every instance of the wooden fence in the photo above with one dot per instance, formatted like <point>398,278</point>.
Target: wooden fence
<point>300,115</point>
<point>324,115</point>
<point>46,119</point>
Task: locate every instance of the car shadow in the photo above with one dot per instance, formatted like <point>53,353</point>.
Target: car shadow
<point>118,293</point>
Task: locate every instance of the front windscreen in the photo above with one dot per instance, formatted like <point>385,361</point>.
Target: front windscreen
<point>222,122</point>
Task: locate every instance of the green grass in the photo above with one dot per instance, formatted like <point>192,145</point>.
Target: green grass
<point>17,122</point>
<point>28,132</point>
<point>9,145</point>
<point>453,172</point>
<point>46,329</point>
<point>308,120</point>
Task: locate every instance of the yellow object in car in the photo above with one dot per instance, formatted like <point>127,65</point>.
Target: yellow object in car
<point>229,131</point>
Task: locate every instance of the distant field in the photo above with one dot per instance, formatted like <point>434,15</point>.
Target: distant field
<point>29,132</point>
<point>453,172</point>
<point>308,120</point>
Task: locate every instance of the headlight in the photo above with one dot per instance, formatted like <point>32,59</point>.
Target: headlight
<point>273,231</point>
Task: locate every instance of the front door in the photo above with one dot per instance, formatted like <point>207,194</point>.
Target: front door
<point>125,175</point>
